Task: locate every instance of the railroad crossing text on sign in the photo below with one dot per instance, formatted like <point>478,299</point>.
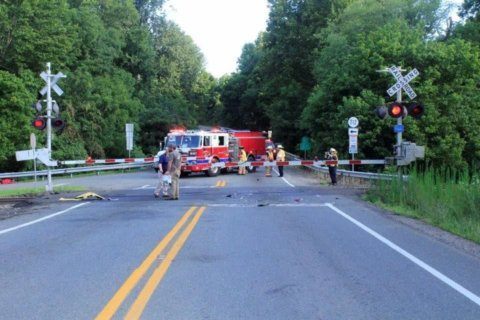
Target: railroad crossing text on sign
<point>402,82</point>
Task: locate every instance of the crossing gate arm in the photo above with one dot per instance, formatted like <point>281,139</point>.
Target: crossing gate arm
<point>297,163</point>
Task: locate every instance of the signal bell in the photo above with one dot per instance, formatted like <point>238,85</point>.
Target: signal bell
<point>381,112</point>
<point>39,123</point>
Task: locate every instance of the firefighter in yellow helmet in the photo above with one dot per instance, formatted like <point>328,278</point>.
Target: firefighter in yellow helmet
<point>242,158</point>
<point>270,157</point>
<point>332,168</point>
<point>280,157</point>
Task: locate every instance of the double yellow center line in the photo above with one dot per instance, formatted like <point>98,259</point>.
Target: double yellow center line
<point>221,183</point>
<point>143,297</point>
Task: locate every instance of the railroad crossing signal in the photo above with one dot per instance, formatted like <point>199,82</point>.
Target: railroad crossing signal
<point>400,110</point>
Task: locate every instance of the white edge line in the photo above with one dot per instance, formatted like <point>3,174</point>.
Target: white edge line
<point>42,219</point>
<point>285,180</point>
<point>437,274</point>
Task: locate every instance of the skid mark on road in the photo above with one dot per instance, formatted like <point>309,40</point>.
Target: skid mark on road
<point>437,274</point>
<point>42,219</point>
<point>250,205</point>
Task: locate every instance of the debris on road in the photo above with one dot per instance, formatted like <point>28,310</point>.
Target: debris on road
<point>85,196</point>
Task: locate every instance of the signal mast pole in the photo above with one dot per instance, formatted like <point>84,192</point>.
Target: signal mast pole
<point>49,186</point>
<point>398,147</point>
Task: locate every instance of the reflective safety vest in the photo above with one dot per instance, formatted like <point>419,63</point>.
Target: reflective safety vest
<point>280,155</point>
<point>243,155</point>
<point>270,156</point>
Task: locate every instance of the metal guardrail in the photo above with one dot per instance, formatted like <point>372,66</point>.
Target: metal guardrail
<point>73,170</point>
<point>347,173</point>
<point>93,168</point>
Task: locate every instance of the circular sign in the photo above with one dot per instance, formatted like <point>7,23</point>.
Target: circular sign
<point>353,122</point>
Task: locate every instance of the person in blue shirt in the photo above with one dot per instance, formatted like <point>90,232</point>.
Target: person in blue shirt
<point>163,176</point>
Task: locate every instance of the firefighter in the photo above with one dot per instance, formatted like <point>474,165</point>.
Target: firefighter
<point>270,157</point>
<point>242,158</point>
<point>332,168</point>
<point>280,157</point>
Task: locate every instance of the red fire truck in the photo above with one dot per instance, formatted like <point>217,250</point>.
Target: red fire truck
<point>201,148</point>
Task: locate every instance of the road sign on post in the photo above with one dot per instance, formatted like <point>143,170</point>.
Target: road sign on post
<point>129,136</point>
<point>353,138</point>
<point>305,145</point>
<point>353,122</point>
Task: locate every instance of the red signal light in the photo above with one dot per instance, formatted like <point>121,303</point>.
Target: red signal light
<point>58,123</point>
<point>396,110</point>
<point>39,123</point>
<point>416,110</point>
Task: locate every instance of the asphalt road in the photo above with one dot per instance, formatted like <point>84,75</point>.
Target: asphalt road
<point>233,247</point>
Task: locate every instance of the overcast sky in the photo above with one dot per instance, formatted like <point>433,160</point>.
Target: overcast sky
<point>221,27</point>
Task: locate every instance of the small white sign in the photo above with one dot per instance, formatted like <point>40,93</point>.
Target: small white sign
<point>25,155</point>
<point>352,131</point>
<point>353,143</point>
<point>353,122</point>
<point>33,141</point>
<point>129,135</point>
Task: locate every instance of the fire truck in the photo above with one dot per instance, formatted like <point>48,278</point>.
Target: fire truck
<point>201,148</point>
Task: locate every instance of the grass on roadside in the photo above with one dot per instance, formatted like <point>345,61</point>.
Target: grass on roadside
<point>444,198</point>
<point>24,192</point>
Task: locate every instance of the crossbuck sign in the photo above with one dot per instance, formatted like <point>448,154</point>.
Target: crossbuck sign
<point>53,82</point>
<point>402,82</point>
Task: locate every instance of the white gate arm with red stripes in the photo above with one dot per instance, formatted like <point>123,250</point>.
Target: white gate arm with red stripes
<point>296,163</point>
<point>110,161</point>
<point>233,164</point>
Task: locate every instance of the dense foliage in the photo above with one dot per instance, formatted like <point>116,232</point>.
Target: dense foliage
<point>315,67</point>
<point>125,63</point>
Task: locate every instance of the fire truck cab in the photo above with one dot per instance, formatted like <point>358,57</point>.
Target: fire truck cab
<point>201,148</point>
